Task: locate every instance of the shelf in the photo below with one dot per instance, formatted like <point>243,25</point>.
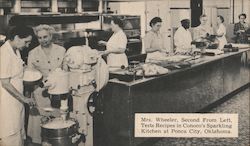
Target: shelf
<point>5,4</point>
<point>52,19</point>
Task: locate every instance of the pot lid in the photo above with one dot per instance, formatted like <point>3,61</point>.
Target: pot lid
<point>31,75</point>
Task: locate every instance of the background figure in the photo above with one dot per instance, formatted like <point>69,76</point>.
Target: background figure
<point>116,45</point>
<point>12,130</point>
<point>221,32</point>
<point>203,29</point>
<point>154,40</point>
<point>183,37</point>
<point>240,29</point>
<point>45,58</point>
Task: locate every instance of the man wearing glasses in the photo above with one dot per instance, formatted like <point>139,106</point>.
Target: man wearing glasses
<point>203,29</point>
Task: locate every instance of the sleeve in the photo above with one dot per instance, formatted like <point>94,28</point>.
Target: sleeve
<point>117,41</point>
<point>177,40</point>
<point>62,49</point>
<point>123,41</point>
<point>221,30</point>
<point>31,60</point>
<point>195,33</point>
<point>62,55</point>
<point>211,31</point>
<point>236,28</point>
<point>5,63</point>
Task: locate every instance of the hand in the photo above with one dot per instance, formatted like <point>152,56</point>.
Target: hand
<point>104,52</point>
<point>47,84</point>
<point>163,50</point>
<point>101,53</point>
<point>240,31</point>
<point>29,101</point>
<point>102,43</point>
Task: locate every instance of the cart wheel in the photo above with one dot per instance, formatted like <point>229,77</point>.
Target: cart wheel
<point>91,104</point>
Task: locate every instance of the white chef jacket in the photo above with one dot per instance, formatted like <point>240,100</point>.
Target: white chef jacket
<point>182,40</point>
<point>117,40</point>
<point>38,60</point>
<point>11,110</point>
<point>222,39</point>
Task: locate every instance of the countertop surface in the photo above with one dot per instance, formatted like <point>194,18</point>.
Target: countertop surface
<point>194,63</point>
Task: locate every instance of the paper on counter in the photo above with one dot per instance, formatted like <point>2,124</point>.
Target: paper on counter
<point>240,45</point>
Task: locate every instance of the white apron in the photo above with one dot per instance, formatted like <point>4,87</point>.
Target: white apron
<point>117,40</point>
<point>222,40</point>
<point>11,110</point>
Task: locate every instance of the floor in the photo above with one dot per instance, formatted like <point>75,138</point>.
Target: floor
<point>237,104</point>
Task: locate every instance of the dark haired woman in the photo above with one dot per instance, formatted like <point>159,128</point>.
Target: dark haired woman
<point>11,87</point>
<point>240,29</point>
<point>116,46</point>
<point>221,32</point>
<point>154,41</point>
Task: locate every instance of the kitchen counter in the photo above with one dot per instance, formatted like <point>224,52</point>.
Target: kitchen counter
<point>194,63</point>
<point>193,89</point>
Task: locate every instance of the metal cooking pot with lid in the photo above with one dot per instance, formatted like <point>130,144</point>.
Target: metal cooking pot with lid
<point>32,77</point>
<point>59,132</point>
<point>58,82</point>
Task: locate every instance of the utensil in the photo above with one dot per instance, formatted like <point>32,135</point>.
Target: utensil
<point>34,109</point>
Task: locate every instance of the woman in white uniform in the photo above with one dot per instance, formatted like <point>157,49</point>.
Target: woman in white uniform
<point>45,58</point>
<point>154,41</point>
<point>11,87</point>
<point>116,45</point>
<point>221,32</point>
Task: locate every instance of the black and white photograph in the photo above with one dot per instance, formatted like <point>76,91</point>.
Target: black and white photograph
<point>124,72</point>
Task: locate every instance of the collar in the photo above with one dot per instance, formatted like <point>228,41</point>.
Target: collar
<point>10,48</point>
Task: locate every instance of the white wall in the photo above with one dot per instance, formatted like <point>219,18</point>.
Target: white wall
<point>216,3</point>
<point>179,3</point>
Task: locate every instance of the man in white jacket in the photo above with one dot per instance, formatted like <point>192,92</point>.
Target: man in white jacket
<point>183,37</point>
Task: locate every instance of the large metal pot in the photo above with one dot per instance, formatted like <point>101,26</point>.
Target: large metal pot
<point>58,132</point>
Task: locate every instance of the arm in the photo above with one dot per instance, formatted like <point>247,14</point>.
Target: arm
<point>211,31</point>
<point>64,65</point>
<point>31,60</point>
<point>178,42</point>
<point>220,34</point>
<point>115,50</point>
<point>150,50</point>
<point>221,31</point>
<point>119,46</point>
<point>147,44</point>
<point>236,29</point>
<point>62,54</point>
<point>196,34</point>
<point>14,92</point>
